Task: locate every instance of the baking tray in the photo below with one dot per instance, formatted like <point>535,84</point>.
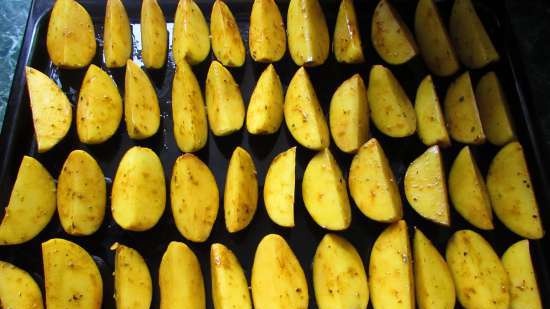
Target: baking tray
<point>17,140</point>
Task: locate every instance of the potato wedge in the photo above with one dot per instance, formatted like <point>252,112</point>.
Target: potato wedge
<point>18,289</point>
<point>71,277</point>
<point>473,45</point>
<point>194,197</point>
<point>229,285</point>
<point>308,38</point>
<point>346,43</point>
<point>372,184</point>
<point>133,285</point>
<point>154,36</point>
<point>468,191</point>
<point>191,38</point>
<point>493,110</point>
<point>139,193</point>
<point>429,118</point>
<point>339,277</point>
<point>240,198</point>
<point>432,278</point>
<point>266,35</point>
<point>224,102</point>
<point>117,35</point>
<point>433,40</point>
<point>390,36</point>
<point>99,107</point>
<point>303,114</point>
<point>31,205</point>
<point>265,109</point>
<point>81,194</point>
<point>71,37</point>
<point>141,106</point>
<point>524,291</point>
<point>390,108</point>
<point>461,112</point>
<point>279,187</point>
<point>325,194</point>
<point>180,278</point>
<point>278,280</point>
<point>511,192</point>
<point>349,114</point>
<point>188,110</point>
<point>426,188</point>
<point>227,43</point>
<point>480,279</point>
<point>390,269</point>
<point>51,110</point>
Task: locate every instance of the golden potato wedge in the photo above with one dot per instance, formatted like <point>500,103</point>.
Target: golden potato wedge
<point>18,289</point>
<point>191,41</point>
<point>81,194</point>
<point>139,193</point>
<point>154,36</point>
<point>480,279</point>
<point>240,198</point>
<point>493,110</point>
<point>188,110</point>
<point>349,114</point>
<point>227,43</point>
<point>473,45</point>
<point>390,108</point>
<point>278,280</point>
<point>51,110</point>
<point>432,278</point>
<point>429,118</point>
<point>339,277</point>
<point>468,191</point>
<point>511,192</point>
<point>524,291</point>
<point>390,36</point>
<point>117,35</point>
<point>133,285</point>
<point>308,38</point>
<point>433,40</point>
<point>266,35</point>
<point>325,194</point>
<point>461,112</point>
<point>31,205</point>
<point>426,188</point>
<point>346,43</point>
<point>71,277</point>
<point>99,107</point>
<point>390,269</point>
<point>180,278</point>
<point>229,285</point>
<point>265,109</point>
<point>372,184</point>
<point>224,102</point>
<point>71,36</point>
<point>141,106</point>
<point>279,187</point>
<point>303,114</point>
<point>194,197</point>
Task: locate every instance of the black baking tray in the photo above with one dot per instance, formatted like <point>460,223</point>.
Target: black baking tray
<point>17,139</point>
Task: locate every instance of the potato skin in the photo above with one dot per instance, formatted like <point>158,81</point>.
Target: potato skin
<point>18,289</point>
<point>227,43</point>
<point>266,36</point>
<point>430,122</point>
<point>265,109</point>
<point>191,38</point>
<point>229,285</point>
<point>117,35</point>
<point>279,187</point>
<point>346,43</point>
<point>133,285</point>
<point>154,36</point>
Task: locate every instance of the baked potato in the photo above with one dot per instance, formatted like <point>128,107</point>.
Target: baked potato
<point>117,35</point>
<point>346,43</point>
<point>227,44</point>
<point>307,31</point>
<point>266,35</point>
<point>229,285</point>
<point>18,288</point>
<point>429,118</point>
<point>133,286</point>
<point>154,36</point>
<point>265,109</point>
<point>191,37</point>
<point>279,186</point>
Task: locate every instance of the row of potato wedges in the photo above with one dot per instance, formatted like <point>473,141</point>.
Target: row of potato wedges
<point>472,272</point>
<point>71,39</point>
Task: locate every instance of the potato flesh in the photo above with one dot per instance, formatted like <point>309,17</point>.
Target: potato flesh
<point>430,121</point>
<point>51,110</point>
<point>265,109</point>
<point>279,188</point>
<point>227,44</point>
<point>154,36</point>
<point>346,44</point>
<point>372,184</point>
<point>18,289</point>
<point>229,285</point>
<point>194,198</point>
<point>266,36</point>
<point>133,285</point>
<point>349,114</point>
<point>511,191</point>
<point>191,41</point>
<point>31,205</point>
<point>117,35</point>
